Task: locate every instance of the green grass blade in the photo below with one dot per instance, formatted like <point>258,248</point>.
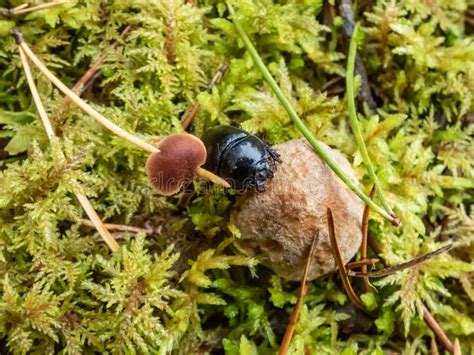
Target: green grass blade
<point>355,121</point>
<point>299,123</point>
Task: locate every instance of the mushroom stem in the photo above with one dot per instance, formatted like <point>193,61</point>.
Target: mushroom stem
<point>206,174</point>
<point>86,205</point>
<point>97,116</point>
<point>82,104</point>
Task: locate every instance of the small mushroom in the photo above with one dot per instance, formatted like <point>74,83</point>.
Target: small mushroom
<point>176,163</point>
<point>279,224</point>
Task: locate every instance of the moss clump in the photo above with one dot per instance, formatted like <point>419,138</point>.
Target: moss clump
<point>61,289</point>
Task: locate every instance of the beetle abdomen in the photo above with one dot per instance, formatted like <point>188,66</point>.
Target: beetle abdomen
<point>244,160</point>
<point>217,140</point>
<point>239,163</point>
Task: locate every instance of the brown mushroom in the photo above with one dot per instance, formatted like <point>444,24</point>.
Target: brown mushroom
<point>176,163</point>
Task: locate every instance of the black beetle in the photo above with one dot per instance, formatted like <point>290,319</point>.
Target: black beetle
<point>242,159</point>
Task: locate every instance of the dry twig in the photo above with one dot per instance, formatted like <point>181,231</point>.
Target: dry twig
<point>427,316</point>
<point>392,269</point>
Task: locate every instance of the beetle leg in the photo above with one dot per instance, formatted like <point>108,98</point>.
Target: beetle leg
<point>249,185</point>
<point>272,152</point>
<point>273,163</point>
<point>235,124</point>
<point>260,186</point>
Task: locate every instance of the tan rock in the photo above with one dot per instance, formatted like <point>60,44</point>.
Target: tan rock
<point>279,224</point>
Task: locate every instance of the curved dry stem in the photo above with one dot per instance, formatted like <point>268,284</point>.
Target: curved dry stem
<point>300,124</point>
<point>86,205</point>
<point>365,232</point>
<point>23,9</point>
<point>86,107</point>
<point>101,119</point>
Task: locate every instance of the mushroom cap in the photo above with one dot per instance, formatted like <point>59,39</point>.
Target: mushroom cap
<point>279,224</point>
<point>176,162</point>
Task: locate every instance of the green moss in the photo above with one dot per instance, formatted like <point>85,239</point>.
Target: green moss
<point>183,287</point>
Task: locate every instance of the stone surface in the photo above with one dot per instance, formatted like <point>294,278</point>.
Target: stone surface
<point>279,224</point>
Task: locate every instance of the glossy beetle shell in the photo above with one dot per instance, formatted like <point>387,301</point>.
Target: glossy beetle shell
<point>244,160</point>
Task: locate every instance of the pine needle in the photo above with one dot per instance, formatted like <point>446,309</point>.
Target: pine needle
<point>427,316</point>
<point>86,205</point>
<point>362,263</point>
<point>436,328</point>
<point>85,81</point>
<point>81,103</point>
